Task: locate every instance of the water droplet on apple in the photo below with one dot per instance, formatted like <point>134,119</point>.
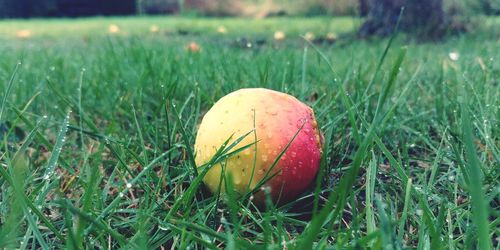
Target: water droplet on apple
<point>269,135</point>
<point>237,181</point>
<point>264,158</point>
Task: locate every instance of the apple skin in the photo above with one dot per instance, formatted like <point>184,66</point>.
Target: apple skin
<point>278,118</point>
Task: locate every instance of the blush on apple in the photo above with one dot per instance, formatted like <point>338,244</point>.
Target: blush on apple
<point>276,117</point>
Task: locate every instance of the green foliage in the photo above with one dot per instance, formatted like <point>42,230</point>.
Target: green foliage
<point>411,137</point>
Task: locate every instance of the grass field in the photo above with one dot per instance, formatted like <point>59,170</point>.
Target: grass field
<point>96,131</point>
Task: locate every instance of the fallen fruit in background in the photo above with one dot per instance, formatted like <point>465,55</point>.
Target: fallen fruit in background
<point>221,30</point>
<point>23,33</point>
<point>331,37</point>
<point>277,117</point>
<point>113,28</point>
<point>193,47</point>
<point>154,28</point>
<point>279,36</point>
<point>309,36</point>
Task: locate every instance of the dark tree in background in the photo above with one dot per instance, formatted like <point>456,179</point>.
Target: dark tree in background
<point>426,18</point>
<point>65,8</point>
<point>27,8</point>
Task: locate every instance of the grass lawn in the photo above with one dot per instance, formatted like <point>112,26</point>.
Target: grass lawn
<point>97,130</point>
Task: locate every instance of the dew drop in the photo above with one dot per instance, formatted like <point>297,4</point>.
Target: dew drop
<point>264,158</point>
<point>272,112</point>
<point>237,181</point>
<point>419,212</point>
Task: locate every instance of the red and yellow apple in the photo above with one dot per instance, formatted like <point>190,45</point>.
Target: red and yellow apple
<point>276,117</point>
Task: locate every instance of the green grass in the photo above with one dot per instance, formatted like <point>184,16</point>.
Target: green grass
<point>98,132</point>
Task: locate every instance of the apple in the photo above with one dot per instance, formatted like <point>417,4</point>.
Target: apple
<point>276,117</point>
<point>279,35</point>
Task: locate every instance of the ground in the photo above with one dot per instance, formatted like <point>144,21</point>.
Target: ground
<point>99,115</point>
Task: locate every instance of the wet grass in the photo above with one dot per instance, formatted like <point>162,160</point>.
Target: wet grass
<point>97,132</point>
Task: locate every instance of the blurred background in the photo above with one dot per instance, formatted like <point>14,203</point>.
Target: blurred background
<point>247,8</point>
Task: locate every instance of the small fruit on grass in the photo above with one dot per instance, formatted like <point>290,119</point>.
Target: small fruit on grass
<point>331,37</point>
<point>193,47</point>
<point>221,30</point>
<point>113,28</point>
<point>279,36</point>
<point>23,34</point>
<point>309,36</point>
<point>277,117</point>
<point>154,28</point>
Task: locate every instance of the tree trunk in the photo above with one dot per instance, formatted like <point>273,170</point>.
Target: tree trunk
<point>423,17</point>
<point>364,7</point>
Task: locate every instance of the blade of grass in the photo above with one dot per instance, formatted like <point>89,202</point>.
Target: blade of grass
<point>186,139</point>
<point>8,90</point>
<point>404,215</point>
<point>384,54</point>
<point>371,173</point>
<point>475,185</point>
<point>141,138</point>
<point>117,200</point>
<point>54,157</point>
<point>117,236</point>
<point>324,170</point>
